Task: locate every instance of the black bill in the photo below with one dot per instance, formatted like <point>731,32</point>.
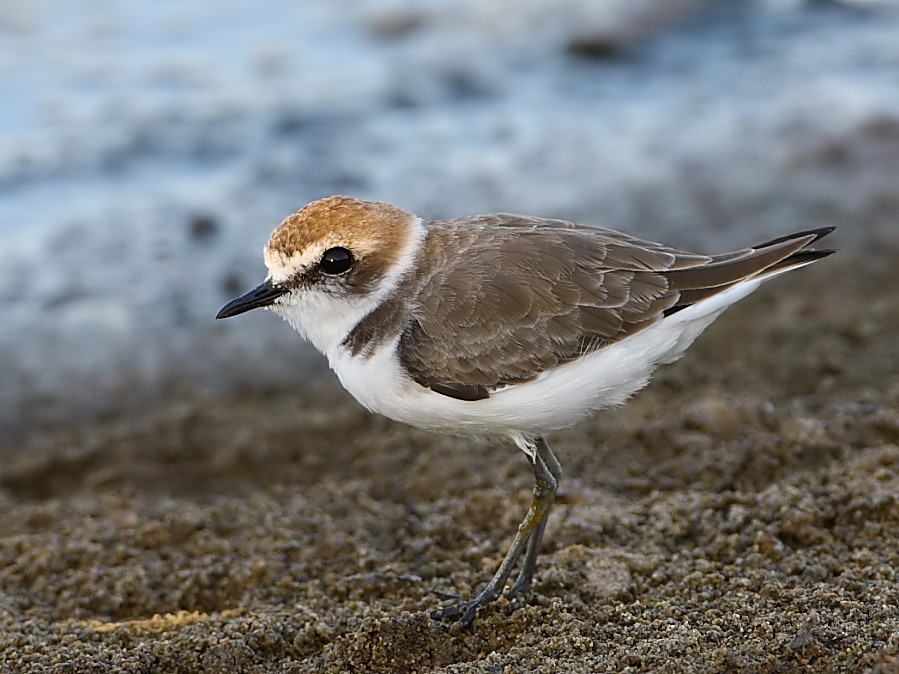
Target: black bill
<point>261,296</point>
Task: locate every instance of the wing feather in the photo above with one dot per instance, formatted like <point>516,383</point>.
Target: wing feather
<point>533,294</point>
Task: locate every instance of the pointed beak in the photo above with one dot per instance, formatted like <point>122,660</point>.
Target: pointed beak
<point>261,296</point>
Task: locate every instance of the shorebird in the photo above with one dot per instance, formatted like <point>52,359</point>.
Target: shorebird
<point>501,325</point>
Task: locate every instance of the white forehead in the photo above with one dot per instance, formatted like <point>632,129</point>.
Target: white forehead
<point>282,266</point>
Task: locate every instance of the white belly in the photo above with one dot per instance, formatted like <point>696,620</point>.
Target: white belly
<point>556,399</point>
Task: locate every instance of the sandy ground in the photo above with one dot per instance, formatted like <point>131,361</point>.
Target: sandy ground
<point>740,515</point>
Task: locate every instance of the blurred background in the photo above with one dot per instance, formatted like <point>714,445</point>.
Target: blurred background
<point>148,149</point>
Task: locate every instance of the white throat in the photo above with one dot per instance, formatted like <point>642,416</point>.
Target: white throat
<point>326,318</point>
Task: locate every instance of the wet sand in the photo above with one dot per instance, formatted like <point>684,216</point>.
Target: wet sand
<point>740,514</point>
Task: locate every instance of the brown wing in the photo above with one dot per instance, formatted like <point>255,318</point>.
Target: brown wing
<point>533,294</point>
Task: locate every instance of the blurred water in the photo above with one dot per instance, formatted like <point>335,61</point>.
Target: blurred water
<point>147,150</point>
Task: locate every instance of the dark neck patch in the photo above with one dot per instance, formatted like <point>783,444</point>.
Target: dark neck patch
<point>382,325</point>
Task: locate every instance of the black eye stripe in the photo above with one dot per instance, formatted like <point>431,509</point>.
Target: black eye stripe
<point>336,261</point>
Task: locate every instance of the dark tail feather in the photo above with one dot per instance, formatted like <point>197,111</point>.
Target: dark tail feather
<point>728,271</point>
<point>798,259</point>
<point>818,233</point>
<point>785,252</point>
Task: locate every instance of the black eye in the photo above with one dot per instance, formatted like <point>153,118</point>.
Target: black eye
<point>336,261</point>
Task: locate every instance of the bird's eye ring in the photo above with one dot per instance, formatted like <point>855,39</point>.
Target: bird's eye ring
<point>336,261</point>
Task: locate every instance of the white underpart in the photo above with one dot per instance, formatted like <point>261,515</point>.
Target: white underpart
<point>558,398</point>
<point>324,318</point>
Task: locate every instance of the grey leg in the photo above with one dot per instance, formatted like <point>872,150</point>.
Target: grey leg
<point>522,585</point>
<point>543,449</point>
<point>533,524</point>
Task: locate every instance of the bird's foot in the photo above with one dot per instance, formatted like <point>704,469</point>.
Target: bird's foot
<point>464,612</point>
<point>519,591</point>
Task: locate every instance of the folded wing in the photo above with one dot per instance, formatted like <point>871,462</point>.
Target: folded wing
<point>534,294</point>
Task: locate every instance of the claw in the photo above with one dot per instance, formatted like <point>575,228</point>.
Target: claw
<point>520,590</point>
<point>444,596</point>
<point>464,612</point>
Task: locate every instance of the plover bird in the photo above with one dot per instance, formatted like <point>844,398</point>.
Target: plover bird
<point>501,325</point>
